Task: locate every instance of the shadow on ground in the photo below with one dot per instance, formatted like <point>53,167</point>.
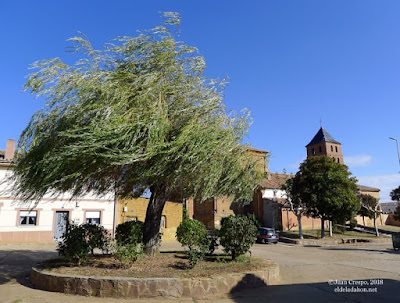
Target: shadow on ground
<point>386,292</point>
<point>16,264</point>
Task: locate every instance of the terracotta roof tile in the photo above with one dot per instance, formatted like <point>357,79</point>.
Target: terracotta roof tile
<point>275,180</point>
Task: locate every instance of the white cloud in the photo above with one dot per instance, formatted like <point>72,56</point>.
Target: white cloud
<point>386,183</point>
<point>357,160</point>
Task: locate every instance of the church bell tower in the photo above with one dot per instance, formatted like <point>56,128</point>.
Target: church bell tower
<point>323,144</point>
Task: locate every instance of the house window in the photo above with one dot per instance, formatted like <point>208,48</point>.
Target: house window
<point>338,161</point>
<point>163,223</point>
<point>320,149</point>
<point>331,148</point>
<point>336,148</point>
<point>93,217</point>
<point>313,151</point>
<point>27,218</point>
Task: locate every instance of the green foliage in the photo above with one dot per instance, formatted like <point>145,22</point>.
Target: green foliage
<point>137,114</point>
<point>369,205</point>
<point>395,194</point>
<point>212,241</point>
<point>127,254</point>
<point>80,240</point>
<point>238,234</point>
<point>326,189</point>
<point>193,234</point>
<point>96,236</point>
<point>130,232</point>
<point>185,215</point>
<point>397,213</point>
<point>74,246</point>
<point>353,223</point>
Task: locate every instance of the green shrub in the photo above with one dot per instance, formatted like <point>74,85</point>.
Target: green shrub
<point>127,254</point>
<point>74,246</point>
<point>80,240</point>
<point>193,234</point>
<point>238,234</point>
<point>130,232</point>
<point>96,236</point>
<point>212,239</point>
<point>353,223</point>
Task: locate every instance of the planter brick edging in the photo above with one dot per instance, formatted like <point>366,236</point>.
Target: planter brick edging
<point>119,287</point>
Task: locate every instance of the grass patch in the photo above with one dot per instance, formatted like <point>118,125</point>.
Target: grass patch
<point>390,228</point>
<point>164,265</point>
<point>316,234</point>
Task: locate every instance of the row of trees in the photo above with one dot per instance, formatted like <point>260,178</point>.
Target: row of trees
<point>325,189</point>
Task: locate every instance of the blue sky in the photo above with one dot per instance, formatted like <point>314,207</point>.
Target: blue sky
<point>292,63</point>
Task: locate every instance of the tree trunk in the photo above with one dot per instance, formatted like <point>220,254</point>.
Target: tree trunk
<point>115,214</point>
<point>376,226</point>
<point>300,226</point>
<point>151,227</point>
<point>363,221</point>
<point>233,255</point>
<point>330,229</point>
<point>322,228</point>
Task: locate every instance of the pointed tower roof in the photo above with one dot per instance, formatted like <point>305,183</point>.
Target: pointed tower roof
<point>322,136</point>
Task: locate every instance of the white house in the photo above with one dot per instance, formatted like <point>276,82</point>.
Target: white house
<point>45,221</point>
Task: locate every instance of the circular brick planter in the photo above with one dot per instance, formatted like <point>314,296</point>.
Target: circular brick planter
<point>120,287</point>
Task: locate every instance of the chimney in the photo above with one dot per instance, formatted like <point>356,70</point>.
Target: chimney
<point>10,148</point>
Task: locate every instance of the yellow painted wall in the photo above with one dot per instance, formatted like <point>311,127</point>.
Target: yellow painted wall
<point>136,210</point>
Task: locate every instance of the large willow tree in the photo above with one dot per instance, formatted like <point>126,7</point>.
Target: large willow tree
<point>138,114</point>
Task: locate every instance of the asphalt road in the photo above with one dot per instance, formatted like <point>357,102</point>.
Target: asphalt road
<point>308,274</point>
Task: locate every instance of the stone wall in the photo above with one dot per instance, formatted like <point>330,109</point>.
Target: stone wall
<point>153,287</point>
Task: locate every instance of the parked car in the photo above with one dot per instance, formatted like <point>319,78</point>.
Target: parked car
<point>267,235</point>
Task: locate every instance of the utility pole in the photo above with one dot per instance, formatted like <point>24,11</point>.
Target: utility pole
<point>397,144</point>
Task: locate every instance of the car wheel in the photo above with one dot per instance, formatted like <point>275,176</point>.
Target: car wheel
<point>275,242</point>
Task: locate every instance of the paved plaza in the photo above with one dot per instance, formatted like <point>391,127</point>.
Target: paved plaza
<point>308,274</point>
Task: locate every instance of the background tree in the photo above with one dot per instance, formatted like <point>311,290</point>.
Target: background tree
<point>395,195</point>
<point>365,212</point>
<point>328,190</point>
<point>397,213</point>
<point>138,114</point>
<point>293,190</point>
<point>372,205</point>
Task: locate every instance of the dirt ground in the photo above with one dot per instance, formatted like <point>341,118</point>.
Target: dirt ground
<point>308,274</point>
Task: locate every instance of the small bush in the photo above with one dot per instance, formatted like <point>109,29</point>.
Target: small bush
<point>127,254</point>
<point>96,236</point>
<point>238,234</point>
<point>212,239</point>
<point>130,232</point>
<point>193,234</point>
<point>80,240</point>
<point>74,246</point>
<point>353,223</point>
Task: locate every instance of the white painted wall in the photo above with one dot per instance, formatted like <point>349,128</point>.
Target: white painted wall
<point>8,212</point>
<point>273,193</point>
